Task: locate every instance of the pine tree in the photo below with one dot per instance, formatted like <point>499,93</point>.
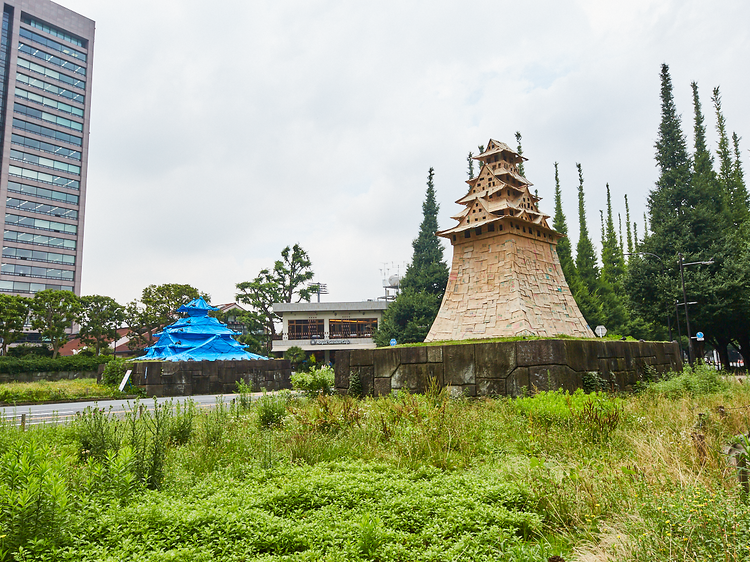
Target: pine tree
<point>470,160</point>
<point>409,317</point>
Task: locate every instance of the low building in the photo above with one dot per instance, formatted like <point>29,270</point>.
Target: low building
<point>323,328</point>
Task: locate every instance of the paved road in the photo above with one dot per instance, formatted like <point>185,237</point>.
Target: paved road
<point>59,412</point>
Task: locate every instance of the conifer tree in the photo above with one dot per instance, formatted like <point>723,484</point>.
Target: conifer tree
<point>586,292</point>
<point>631,248</point>
<point>520,153</point>
<point>736,192</point>
<point>470,160</point>
<point>585,255</point>
<point>563,245</point>
<point>409,317</point>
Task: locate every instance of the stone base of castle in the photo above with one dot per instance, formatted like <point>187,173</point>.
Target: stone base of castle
<point>504,285</point>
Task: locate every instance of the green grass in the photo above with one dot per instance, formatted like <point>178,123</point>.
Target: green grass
<point>610,337</point>
<point>411,478</point>
<point>50,391</point>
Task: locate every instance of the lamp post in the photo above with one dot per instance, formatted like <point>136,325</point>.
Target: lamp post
<point>664,272</point>
<point>683,265</point>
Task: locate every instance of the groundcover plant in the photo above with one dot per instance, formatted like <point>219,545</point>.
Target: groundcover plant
<point>407,477</point>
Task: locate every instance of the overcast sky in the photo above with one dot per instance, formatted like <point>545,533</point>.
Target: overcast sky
<point>222,132</point>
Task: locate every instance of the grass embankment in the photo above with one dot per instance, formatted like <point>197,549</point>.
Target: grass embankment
<point>407,478</point>
<point>20,393</point>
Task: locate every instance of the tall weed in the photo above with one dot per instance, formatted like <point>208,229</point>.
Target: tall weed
<point>34,500</point>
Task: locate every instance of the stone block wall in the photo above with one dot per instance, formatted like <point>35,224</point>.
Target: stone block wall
<point>504,368</point>
<point>45,376</point>
<point>184,378</point>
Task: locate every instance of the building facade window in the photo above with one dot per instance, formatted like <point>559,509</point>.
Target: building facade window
<point>35,271</point>
<point>48,102</point>
<point>39,240</point>
<point>45,147</point>
<point>40,224</point>
<point>46,132</point>
<point>42,193</point>
<point>49,117</point>
<point>43,177</point>
<point>46,57</point>
<point>44,162</point>
<point>37,255</point>
<point>23,287</point>
<point>52,30</point>
<point>41,208</point>
<point>49,73</point>
<point>305,329</point>
<point>51,88</point>
<point>52,45</point>
<point>352,328</point>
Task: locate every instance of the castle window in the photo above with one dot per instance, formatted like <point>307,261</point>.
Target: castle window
<point>491,227</point>
<point>467,234</point>
<point>500,227</point>
<point>478,230</point>
<point>454,237</point>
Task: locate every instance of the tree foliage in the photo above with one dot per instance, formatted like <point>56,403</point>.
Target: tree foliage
<point>409,317</point>
<point>52,315</point>
<point>13,313</point>
<point>286,282</point>
<point>157,308</point>
<point>99,319</point>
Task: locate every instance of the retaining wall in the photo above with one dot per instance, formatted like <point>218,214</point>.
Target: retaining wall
<point>504,368</point>
<point>46,376</point>
<point>184,378</point>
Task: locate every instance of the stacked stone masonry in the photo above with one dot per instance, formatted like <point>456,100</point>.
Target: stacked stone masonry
<point>504,368</point>
<point>184,378</point>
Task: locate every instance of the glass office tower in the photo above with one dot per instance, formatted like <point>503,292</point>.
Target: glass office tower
<point>46,55</point>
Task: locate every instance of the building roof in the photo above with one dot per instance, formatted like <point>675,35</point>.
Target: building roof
<point>328,306</point>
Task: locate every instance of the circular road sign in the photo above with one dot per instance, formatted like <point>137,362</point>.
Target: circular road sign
<point>699,336</point>
<point>600,331</point>
<point>393,341</point>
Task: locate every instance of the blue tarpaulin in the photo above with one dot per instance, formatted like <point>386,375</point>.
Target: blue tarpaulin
<point>199,337</point>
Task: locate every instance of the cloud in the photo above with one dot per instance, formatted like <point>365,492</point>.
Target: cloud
<point>222,134</point>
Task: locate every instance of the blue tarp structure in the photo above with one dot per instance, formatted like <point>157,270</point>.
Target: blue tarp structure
<point>199,337</point>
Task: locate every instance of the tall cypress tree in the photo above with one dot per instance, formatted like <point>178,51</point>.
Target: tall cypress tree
<point>470,160</point>
<point>520,153</point>
<point>563,245</point>
<point>627,226</point>
<point>585,255</point>
<point>736,192</point>
<point>586,292</point>
<point>409,317</point>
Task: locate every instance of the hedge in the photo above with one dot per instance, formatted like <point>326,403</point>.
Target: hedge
<point>75,363</point>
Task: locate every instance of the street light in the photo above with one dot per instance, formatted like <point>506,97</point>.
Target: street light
<point>691,353</point>
<point>664,272</point>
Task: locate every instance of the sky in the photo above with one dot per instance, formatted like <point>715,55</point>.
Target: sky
<point>223,132</point>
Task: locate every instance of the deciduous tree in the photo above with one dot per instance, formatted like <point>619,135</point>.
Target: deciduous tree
<point>52,315</point>
<point>99,319</point>
<point>13,313</point>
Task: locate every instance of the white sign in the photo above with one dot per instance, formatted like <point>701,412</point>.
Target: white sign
<point>600,331</point>
<point>125,379</point>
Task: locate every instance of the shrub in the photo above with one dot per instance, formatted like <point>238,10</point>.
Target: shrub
<point>115,370</point>
<point>593,382</point>
<point>272,409</point>
<point>37,364</point>
<point>296,356</point>
<point>695,381</point>
<point>314,382</point>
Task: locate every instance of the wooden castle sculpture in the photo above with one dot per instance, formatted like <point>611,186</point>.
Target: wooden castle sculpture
<point>505,278</point>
